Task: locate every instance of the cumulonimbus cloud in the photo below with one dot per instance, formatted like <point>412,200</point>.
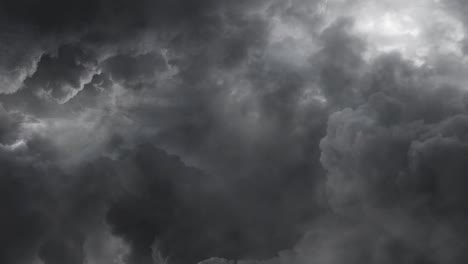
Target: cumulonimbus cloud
<point>295,131</point>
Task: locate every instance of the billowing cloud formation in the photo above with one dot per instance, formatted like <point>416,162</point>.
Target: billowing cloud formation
<point>302,131</point>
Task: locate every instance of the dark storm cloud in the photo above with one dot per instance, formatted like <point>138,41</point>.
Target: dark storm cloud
<point>328,156</point>
<point>134,71</point>
<point>262,173</point>
<point>60,76</point>
<point>402,150</point>
<point>94,46</point>
<point>163,201</point>
<point>395,168</point>
<point>44,213</point>
<point>19,58</point>
<point>9,126</point>
<point>57,16</point>
<point>340,63</point>
<point>32,28</point>
<point>224,106</point>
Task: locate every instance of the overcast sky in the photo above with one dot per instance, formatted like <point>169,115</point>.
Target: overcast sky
<point>281,131</point>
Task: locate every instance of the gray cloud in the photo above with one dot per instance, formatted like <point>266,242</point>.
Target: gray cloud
<point>278,131</point>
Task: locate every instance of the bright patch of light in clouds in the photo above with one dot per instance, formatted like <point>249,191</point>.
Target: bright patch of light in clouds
<point>413,28</point>
<point>417,29</point>
<point>20,144</point>
<point>390,25</point>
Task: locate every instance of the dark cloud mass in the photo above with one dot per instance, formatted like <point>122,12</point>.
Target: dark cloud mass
<point>264,131</point>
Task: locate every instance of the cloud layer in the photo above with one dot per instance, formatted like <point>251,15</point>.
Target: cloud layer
<point>263,131</point>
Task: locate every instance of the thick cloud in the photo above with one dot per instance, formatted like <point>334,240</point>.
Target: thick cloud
<point>193,216</point>
<point>44,214</point>
<point>395,171</point>
<point>402,150</point>
<point>61,76</point>
<point>289,131</point>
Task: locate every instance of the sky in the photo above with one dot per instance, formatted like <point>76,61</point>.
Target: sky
<point>221,132</point>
